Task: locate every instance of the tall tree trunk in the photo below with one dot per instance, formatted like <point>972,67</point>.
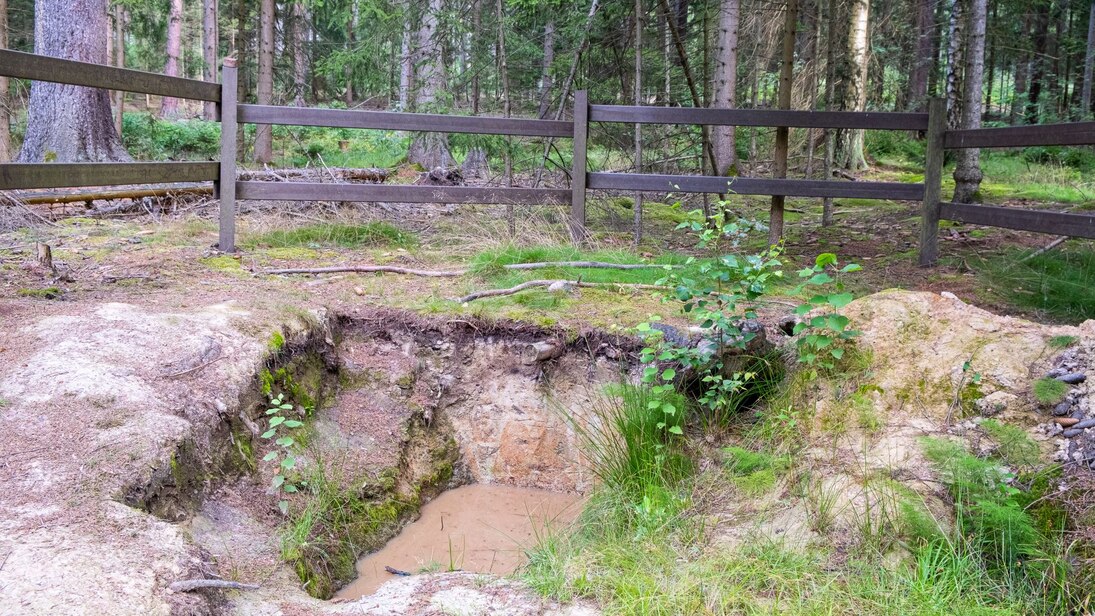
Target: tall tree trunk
<point>786,73</point>
<point>546,81</point>
<point>5,115</point>
<point>264,138</point>
<point>637,236</point>
<point>120,18</point>
<point>967,174</point>
<point>1089,65</point>
<point>850,142</point>
<point>813,57</point>
<point>1020,93</point>
<point>170,106</point>
<point>430,149</point>
<point>348,70</point>
<point>955,47</point>
<point>506,108</point>
<point>1038,63</point>
<point>918,80</point>
<point>831,36</point>
<point>476,54</point>
<point>300,77</point>
<point>70,123</point>
<point>726,80</point>
<point>209,51</point>
<point>406,60</point>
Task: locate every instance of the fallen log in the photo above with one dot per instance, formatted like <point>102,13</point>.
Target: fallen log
<point>547,283</point>
<point>366,175</point>
<point>114,195</point>
<point>542,351</point>
<point>192,585</point>
<point>583,265</point>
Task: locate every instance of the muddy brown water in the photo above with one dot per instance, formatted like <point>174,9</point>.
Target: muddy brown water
<point>480,528</point>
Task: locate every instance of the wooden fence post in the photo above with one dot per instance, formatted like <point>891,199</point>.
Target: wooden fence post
<point>578,169</point>
<point>933,182</point>
<point>225,186</point>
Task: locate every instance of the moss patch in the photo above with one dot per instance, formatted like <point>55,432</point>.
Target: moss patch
<point>1049,391</point>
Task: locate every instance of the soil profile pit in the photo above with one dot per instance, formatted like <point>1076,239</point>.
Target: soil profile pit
<point>479,528</point>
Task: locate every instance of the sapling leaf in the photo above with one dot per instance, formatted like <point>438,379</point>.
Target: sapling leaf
<point>837,352</point>
<point>676,430</point>
<point>840,300</point>
<point>269,433</point>
<point>273,455</point>
<point>277,481</point>
<point>292,423</point>
<point>669,374</point>
<point>289,463</point>
<point>285,441</point>
<point>276,421</point>
<point>283,506</point>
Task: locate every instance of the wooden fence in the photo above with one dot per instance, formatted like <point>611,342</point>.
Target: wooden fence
<point>229,112</point>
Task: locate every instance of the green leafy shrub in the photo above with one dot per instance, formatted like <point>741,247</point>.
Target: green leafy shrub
<point>824,332</point>
<point>283,456</point>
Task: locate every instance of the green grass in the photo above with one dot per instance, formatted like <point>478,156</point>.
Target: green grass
<point>1062,342</point>
<point>1049,391</point>
<point>488,265</point>
<point>335,234</point>
<point>1059,283</point>
<point>1014,445</point>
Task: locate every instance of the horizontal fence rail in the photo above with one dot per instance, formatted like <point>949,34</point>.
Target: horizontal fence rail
<point>63,175</point>
<point>756,186</point>
<point>1054,223</point>
<point>758,117</point>
<point>308,191</point>
<point>390,120</point>
<point>1073,133</point>
<point>44,68</point>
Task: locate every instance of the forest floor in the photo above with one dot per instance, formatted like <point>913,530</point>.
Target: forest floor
<point>143,271</point>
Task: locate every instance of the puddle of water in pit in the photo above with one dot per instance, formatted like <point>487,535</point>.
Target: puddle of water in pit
<point>481,528</point>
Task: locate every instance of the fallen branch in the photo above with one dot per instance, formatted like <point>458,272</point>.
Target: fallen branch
<point>1044,249</point>
<point>547,283</point>
<point>582,265</point>
<point>114,195</point>
<point>388,269</point>
<point>191,585</point>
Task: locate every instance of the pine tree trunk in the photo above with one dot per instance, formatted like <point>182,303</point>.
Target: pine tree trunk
<point>348,71</point>
<point>546,81</point>
<point>300,72</point>
<point>1038,63</point>
<point>850,142</point>
<point>725,78</point>
<point>209,51</point>
<point>967,174</point>
<point>430,150</point>
<point>1020,94</point>
<point>637,235</point>
<point>476,55</point>
<point>170,106</point>
<point>5,115</point>
<point>406,61</point>
<point>1089,65</point>
<point>70,123</point>
<point>264,138</point>
<point>918,80</point>
<point>955,48</point>
<point>118,97</point>
<point>786,74</point>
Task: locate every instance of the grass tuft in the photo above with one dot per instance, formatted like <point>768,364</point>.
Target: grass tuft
<point>1058,283</point>
<point>336,234</point>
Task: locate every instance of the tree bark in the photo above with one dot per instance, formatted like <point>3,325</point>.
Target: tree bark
<point>170,106</point>
<point>832,23</point>
<point>955,33</point>
<point>850,142</point>
<point>918,81</point>
<point>725,78</point>
<point>5,115</point>
<point>967,174</point>
<point>1038,63</point>
<point>637,210</point>
<point>1089,65</point>
<point>786,72</point>
<point>546,81</point>
<point>348,71</point>
<point>264,138</point>
<point>120,18</point>
<point>300,65</point>
<point>70,123</point>
<point>406,61</point>
<point>430,150</point>
<point>209,51</point>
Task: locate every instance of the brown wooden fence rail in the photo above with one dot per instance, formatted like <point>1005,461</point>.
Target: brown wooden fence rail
<point>1038,221</point>
<point>230,113</point>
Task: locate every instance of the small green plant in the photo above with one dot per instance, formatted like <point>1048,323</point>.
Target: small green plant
<point>825,330</point>
<point>1062,342</point>
<point>712,295</point>
<point>1013,445</point>
<point>283,457</point>
<point>1049,391</point>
